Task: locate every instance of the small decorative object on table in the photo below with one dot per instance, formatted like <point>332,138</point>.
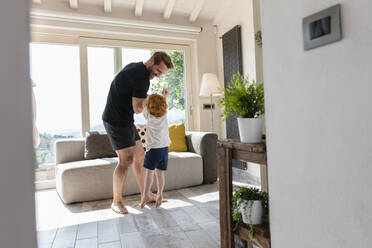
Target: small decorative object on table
<point>246,100</point>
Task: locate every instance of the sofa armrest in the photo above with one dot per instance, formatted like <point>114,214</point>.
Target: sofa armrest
<point>204,144</point>
<point>69,150</point>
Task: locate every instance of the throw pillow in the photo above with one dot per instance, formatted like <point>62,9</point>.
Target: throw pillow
<point>141,129</point>
<point>97,145</point>
<point>177,135</point>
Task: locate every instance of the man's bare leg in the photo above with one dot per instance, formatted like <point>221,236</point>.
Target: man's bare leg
<point>125,160</point>
<point>145,198</point>
<point>138,170</point>
<point>160,181</point>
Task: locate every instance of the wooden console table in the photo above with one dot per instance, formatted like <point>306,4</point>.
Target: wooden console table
<point>233,149</point>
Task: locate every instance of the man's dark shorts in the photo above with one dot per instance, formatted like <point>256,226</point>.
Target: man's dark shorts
<point>121,137</point>
<point>156,158</point>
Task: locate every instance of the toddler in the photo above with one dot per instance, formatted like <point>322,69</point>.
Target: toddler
<point>157,140</point>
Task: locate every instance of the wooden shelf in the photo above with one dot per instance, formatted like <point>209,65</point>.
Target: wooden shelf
<point>261,234</point>
<point>248,152</point>
<point>228,150</point>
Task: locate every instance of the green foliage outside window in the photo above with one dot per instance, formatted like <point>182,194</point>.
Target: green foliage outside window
<point>173,80</point>
<point>44,153</point>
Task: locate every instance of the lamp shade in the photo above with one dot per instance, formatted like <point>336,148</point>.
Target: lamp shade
<point>209,85</point>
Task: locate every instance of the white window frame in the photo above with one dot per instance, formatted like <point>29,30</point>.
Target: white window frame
<point>84,42</point>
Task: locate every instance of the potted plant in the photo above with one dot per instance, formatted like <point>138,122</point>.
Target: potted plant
<point>246,100</point>
<point>250,203</point>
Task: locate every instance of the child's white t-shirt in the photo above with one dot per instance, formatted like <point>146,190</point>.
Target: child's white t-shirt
<point>157,133</point>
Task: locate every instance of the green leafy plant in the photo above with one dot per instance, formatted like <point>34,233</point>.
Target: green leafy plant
<point>243,98</point>
<point>249,194</point>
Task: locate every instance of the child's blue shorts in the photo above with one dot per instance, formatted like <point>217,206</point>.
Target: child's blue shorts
<point>156,158</point>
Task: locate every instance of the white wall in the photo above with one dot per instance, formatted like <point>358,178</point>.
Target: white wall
<point>319,127</point>
<point>238,12</point>
<point>17,211</point>
<point>246,14</point>
<point>207,61</point>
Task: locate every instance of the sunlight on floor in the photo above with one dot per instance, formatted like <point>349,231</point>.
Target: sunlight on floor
<point>51,213</point>
<point>190,218</point>
<point>206,197</point>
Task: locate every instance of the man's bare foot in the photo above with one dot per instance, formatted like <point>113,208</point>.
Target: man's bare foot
<point>153,198</point>
<point>118,207</point>
<point>144,200</point>
<point>159,200</point>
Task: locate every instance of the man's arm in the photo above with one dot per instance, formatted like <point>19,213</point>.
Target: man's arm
<point>138,104</point>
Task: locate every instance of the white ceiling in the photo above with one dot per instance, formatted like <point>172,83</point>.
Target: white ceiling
<point>193,9</point>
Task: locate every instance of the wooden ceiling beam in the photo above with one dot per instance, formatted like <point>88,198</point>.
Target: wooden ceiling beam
<point>168,9</point>
<point>73,4</point>
<point>107,6</point>
<point>196,11</point>
<point>139,7</point>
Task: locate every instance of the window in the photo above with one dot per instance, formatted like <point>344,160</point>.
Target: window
<point>55,70</point>
<point>174,81</point>
<point>70,102</point>
<point>101,71</point>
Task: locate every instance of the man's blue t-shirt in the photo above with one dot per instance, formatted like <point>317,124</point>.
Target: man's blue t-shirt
<point>132,81</point>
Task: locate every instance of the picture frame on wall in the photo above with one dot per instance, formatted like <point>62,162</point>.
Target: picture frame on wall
<point>322,28</point>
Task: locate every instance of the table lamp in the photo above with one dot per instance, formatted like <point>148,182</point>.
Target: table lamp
<point>210,88</point>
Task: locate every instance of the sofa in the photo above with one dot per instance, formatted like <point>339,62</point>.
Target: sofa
<point>79,179</point>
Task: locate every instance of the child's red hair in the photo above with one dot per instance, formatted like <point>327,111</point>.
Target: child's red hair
<point>157,105</point>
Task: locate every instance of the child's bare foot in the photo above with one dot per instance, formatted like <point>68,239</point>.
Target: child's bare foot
<point>119,207</point>
<point>159,200</point>
<point>153,198</point>
<point>145,199</point>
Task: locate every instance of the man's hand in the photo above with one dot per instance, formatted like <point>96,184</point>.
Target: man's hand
<point>165,92</point>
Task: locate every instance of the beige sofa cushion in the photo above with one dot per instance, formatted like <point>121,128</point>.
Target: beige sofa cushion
<point>92,179</point>
<point>84,180</point>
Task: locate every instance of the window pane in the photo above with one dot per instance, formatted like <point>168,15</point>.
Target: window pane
<point>56,72</point>
<point>130,55</point>
<point>100,73</point>
<point>173,80</point>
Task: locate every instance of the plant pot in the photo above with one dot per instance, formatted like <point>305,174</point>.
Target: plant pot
<point>257,212</point>
<point>250,129</point>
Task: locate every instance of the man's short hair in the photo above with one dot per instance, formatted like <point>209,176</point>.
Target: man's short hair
<point>157,105</point>
<point>162,56</point>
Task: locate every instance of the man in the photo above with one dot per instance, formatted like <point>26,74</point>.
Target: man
<point>128,92</point>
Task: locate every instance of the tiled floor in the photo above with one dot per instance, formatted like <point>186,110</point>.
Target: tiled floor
<point>189,219</point>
